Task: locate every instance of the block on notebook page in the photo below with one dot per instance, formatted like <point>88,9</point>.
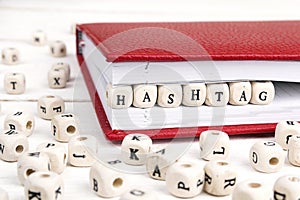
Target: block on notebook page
<point>169,95</point>
<point>220,177</point>
<point>14,83</point>
<point>39,38</point>
<point>194,94</point>
<point>239,93</point>
<point>119,96</point>
<point>217,94</point>
<point>57,78</point>
<point>284,131</point>
<point>263,92</point>
<point>267,156</point>
<point>10,56</point>
<point>144,96</point>
<point>185,179</point>
<point>58,49</point>
<point>287,188</point>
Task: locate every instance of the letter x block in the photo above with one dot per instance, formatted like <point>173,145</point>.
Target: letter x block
<point>135,148</point>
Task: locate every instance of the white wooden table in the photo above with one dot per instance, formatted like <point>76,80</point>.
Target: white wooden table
<point>18,19</point>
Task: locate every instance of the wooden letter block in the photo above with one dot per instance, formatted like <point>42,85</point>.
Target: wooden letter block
<point>252,190</point>
<point>119,96</point>
<point>82,150</point>
<point>12,145</point>
<point>267,156</point>
<point>284,131</point>
<point>294,150</point>
<point>263,93</point>
<point>58,49</point>
<point>57,78</point>
<point>31,162</point>
<point>10,56</point>
<point>169,96</point>
<point>63,66</point>
<point>64,126</point>
<point>194,94</point>
<point>144,96</point>
<point>44,185</point>
<point>214,144</point>
<point>135,149</point>
<point>139,194</point>
<point>240,93</point>
<point>49,106</point>
<point>106,182</point>
<point>20,121</point>
<point>185,179</point>
<point>217,94</point>
<point>287,188</point>
<point>57,154</point>
<point>14,83</point>
<point>39,38</point>
<point>220,178</point>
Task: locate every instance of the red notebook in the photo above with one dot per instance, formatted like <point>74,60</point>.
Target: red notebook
<point>185,42</point>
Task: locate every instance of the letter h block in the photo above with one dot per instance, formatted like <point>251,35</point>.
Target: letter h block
<point>135,149</point>
<point>119,96</point>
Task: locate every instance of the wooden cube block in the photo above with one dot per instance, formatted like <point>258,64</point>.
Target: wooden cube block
<point>294,150</point>
<point>263,92</point>
<point>139,194</point>
<point>57,78</point>
<point>267,156</point>
<point>240,93</point>
<point>64,126</point>
<point>39,38</point>
<point>144,96</point>
<point>217,94</point>
<point>287,188</point>
<point>14,83</point>
<point>284,131</point>
<point>185,179</point>
<point>214,144</point>
<point>31,162</point>
<point>220,178</point>
<point>135,149</point>
<point>252,190</point>
<point>58,49</point>
<point>57,154</point>
<point>194,94</point>
<point>49,106</point>
<point>82,150</point>
<point>20,121</point>
<point>44,185</point>
<point>63,66</point>
<point>12,145</point>
<point>119,96</point>
<point>169,95</point>
<point>10,56</point>
<point>106,182</point>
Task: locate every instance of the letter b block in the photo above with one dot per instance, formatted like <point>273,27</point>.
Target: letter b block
<point>263,92</point>
<point>49,106</point>
<point>185,179</point>
<point>135,149</point>
<point>119,96</point>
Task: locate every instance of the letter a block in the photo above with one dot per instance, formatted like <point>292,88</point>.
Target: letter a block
<point>239,93</point>
<point>185,179</point>
<point>262,92</point>
<point>144,96</point>
<point>119,96</point>
<point>135,149</point>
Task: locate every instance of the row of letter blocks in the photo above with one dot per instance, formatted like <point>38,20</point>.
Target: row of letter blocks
<point>194,94</point>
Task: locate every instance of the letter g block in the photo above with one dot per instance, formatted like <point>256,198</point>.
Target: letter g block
<point>263,92</point>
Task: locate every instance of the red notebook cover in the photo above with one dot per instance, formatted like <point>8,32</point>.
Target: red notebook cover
<point>168,42</point>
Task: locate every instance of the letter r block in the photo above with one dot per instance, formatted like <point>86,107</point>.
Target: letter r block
<point>263,92</point>
<point>119,96</point>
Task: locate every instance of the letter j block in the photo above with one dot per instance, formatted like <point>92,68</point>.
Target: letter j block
<point>119,96</point>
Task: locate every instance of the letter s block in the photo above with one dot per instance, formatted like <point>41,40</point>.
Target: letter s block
<point>119,96</point>
<point>185,179</point>
<point>135,149</point>
<point>263,92</point>
<point>169,95</point>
